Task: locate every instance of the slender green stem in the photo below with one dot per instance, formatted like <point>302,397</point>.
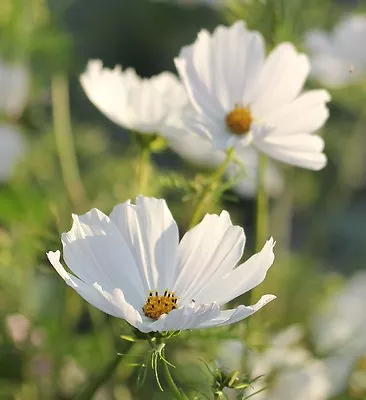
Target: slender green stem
<point>170,381</point>
<point>95,382</point>
<point>64,139</point>
<point>210,188</point>
<point>262,211</point>
<point>143,169</point>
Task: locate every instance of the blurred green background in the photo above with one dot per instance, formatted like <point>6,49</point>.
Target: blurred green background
<point>318,221</point>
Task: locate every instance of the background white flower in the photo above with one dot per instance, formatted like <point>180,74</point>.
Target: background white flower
<point>241,98</point>
<point>14,88</point>
<point>199,151</point>
<point>338,58</point>
<point>132,266</point>
<point>339,330</point>
<point>292,371</point>
<point>12,148</point>
<point>135,103</point>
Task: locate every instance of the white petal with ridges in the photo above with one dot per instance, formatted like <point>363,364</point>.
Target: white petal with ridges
<point>228,317</point>
<point>306,114</point>
<point>207,252</point>
<point>89,292</point>
<point>241,279</point>
<point>281,80</point>
<point>95,251</point>
<point>152,236</point>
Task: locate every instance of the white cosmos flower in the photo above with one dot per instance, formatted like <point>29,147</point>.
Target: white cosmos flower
<point>12,147</point>
<point>14,88</point>
<point>131,265</point>
<point>338,58</point>
<point>138,104</point>
<point>240,98</point>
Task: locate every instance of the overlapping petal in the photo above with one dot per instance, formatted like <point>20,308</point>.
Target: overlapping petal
<point>96,252</point>
<point>208,251</point>
<point>152,237</point>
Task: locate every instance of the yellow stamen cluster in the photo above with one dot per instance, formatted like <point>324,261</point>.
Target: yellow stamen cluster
<point>156,305</point>
<point>239,120</point>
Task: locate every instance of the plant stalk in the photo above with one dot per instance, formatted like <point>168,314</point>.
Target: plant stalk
<point>170,381</point>
<point>262,209</point>
<point>64,139</point>
<point>210,188</point>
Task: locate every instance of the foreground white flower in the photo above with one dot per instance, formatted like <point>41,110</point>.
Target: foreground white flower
<point>12,147</point>
<point>132,266</point>
<point>339,58</point>
<point>241,99</point>
<point>138,104</point>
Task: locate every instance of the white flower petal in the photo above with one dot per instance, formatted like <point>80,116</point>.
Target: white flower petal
<point>88,292</point>
<point>306,114</point>
<point>207,252</point>
<point>152,236</point>
<point>228,317</point>
<point>302,150</point>
<point>281,79</point>
<point>187,317</point>
<point>126,310</point>
<point>196,150</point>
<point>95,251</point>
<point>241,279</point>
<point>212,69</point>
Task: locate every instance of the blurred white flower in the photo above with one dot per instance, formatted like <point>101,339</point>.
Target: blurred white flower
<point>291,371</point>
<point>308,381</point>
<point>339,58</point>
<point>14,88</point>
<point>138,104</point>
<point>18,327</point>
<point>230,354</point>
<point>71,376</point>
<point>199,151</point>
<point>132,266</point>
<point>339,330</point>
<point>241,99</point>
<point>12,147</point>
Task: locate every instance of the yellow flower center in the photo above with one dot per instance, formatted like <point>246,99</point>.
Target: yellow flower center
<point>239,120</point>
<point>156,305</point>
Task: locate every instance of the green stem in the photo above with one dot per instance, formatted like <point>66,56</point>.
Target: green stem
<point>262,211</point>
<point>143,169</point>
<point>94,383</point>
<point>210,188</point>
<point>64,139</point>
<point>170,381</point>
